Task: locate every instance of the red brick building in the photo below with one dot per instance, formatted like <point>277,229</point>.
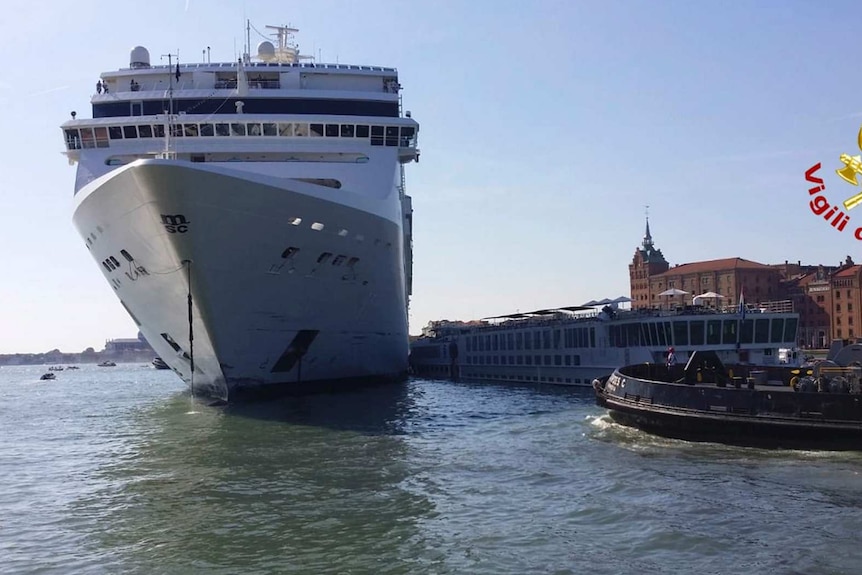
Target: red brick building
<point>827,298</point>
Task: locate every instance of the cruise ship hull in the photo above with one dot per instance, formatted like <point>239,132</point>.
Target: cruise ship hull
<point>264,284</point>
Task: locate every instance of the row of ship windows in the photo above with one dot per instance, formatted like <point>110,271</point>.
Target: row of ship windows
<point>540,360</point>
<point>709,332</point>
<point>574,337</point>
<point>444,370</point>
<point>99,137</point>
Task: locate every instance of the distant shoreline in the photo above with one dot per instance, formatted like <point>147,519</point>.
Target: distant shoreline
<point>56,357</point>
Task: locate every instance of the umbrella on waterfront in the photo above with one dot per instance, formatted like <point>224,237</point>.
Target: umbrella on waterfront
<point>708,295</point>
<point>673,292</point>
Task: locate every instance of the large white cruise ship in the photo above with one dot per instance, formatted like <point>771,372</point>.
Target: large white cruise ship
<point>251,216</point>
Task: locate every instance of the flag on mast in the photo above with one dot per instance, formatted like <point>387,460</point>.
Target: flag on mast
<point>178,70</point>
<point>742,302</point>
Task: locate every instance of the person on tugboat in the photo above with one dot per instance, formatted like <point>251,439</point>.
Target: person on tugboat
<point>671,358</point>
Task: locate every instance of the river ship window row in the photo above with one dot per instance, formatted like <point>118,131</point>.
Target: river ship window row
<point>101,136</point>
<point>556,360</point>
<point>708,332</point>
<point>569,338</point>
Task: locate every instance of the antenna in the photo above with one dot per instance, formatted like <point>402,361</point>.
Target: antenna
<point>170,123</point>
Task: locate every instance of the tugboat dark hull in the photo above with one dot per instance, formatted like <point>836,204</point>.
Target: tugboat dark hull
<point>714,406</point>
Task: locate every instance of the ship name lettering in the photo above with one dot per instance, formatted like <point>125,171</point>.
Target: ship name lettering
<point>175,223</point>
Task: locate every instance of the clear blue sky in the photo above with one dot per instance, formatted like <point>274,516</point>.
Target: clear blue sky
<point>545,129</point>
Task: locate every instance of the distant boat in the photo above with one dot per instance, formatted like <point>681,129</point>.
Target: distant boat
<point>55,368</point>
<point>48,375</point>
<point>73,367</point>
<point>159,363</point>
<point>107,363</point>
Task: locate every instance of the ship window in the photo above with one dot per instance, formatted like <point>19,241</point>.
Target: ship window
<point>332,130</point>
<point>680,333</point>
<point>114,261</point>
<point>761,331</point>
<point>289,252</point>
<point>361,131</point>
<point>338,260</point>
<point>343,233</point>
<point>376,135</point>
<point>746,331</point>
<point>322,258</point>
<point>254,129</point>
<point>190,130</point>
<point>346,130</point>
<point>177,131</point>
<point>407,133</point>
<point>317,226</point>
<point>269,129</point>
<point>300,130</point>
<point>728,334</point>
<point>126,255</point>
<point>316,130</point>
<point>101,137</point>
<point>237,129</point>
<point>790,329</point>
<point>145,131</point>
<point>115,132</point>
<point>777,330</point>
<point>285,129</point>
<point>696,332</point>
<point>222,130</point>
<point>73,140</point>
<point>207,130</point>
<point>158,131</point>
<point>294,221</point>
<point>653,335</point>
<point>713,332</point>
<point>391,135</point>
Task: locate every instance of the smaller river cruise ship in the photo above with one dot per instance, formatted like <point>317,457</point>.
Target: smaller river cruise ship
<point>576,344</point>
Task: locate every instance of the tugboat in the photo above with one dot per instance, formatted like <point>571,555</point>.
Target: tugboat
<point>816,406</point>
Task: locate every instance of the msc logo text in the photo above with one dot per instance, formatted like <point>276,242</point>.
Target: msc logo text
<point>176,224</point>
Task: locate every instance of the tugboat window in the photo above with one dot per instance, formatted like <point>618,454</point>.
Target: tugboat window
<point>361,131</point>
<point>115,132</point>
<point>207,130</point>
<point>145,131</point>
<point>746,331</point>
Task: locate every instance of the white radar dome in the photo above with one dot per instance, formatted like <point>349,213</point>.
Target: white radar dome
<point>139,58</point>
<point>266,51</point>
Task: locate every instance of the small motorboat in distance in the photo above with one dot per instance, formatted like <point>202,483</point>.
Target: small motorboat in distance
<point>159,363</point>
<point>811,407</point>
<point>48,375</point>
<point>107,363</point>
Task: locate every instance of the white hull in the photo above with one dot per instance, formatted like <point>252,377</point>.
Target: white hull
<point>269,307</point>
